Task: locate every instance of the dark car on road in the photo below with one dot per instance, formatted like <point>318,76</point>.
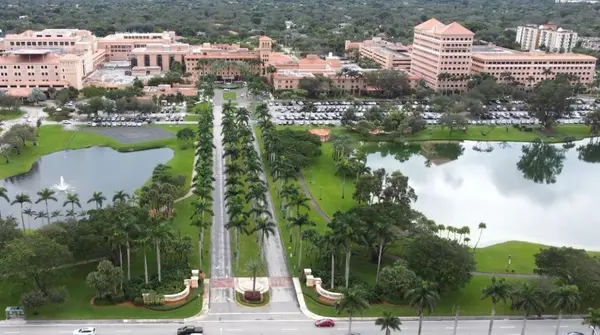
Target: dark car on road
<point>189,330</point>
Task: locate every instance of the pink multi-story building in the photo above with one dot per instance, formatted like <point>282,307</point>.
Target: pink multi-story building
<point>48,58</point>
<point>120,46</point>
<point>529,68</point>
<point>438,48</point>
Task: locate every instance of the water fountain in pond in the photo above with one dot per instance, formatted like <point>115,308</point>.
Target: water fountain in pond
<point>62,186</point>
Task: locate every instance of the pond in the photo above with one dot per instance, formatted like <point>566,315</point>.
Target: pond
<point>85,171</point>
<point>532,192</point>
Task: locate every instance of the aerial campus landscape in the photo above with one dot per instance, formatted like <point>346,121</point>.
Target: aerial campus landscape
<point>279,169</point>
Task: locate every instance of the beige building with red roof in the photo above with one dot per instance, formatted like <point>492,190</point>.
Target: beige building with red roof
<point>439,48</point>
<point>389,55</point>
<point>529,68</point>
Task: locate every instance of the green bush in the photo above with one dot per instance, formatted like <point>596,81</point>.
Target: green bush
<point>138,301</point>
<point>193,296</point>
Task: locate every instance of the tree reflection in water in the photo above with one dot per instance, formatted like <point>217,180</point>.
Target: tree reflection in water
<point>590,152</point>
<point>541,162</point>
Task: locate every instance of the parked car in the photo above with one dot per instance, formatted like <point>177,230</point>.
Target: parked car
<point>85,331</point>
<point>325,323</point>
<point>189,330</point>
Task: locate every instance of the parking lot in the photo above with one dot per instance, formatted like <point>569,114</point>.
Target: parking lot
<point>133,135</point>
<point>496,112</point>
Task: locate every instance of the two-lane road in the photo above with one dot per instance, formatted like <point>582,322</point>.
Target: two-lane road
<point>301,327</point>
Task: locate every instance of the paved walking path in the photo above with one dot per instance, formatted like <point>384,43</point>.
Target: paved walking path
<point>325,217</point>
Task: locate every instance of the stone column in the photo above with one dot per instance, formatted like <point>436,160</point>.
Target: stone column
<point>166,65</point>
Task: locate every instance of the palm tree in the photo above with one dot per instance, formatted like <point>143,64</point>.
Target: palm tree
<point>4,195</point>
<point>423,296</point>
<point>565,299</point>
<point>300,222</point>
<point>383,231</point>
<point>120,196</point>
<point>352,301</point>
<point>44,195</point>
<point>527,299</point>
<point>592,319</point>
<point>498,290</point>
<point>143,240</point>
<point>30,213</point>
<point>98,198</point>
<point>388,322</point>
<point>254,266</point>
<point>160,232</point>
<point>21,199</point>
<point>198,220</point>
<point>125,229</point>
<point>266,228</point>
<point>55,214</point>
<point>39,215</point>
<point>72,199</point>
<point>481,227</point>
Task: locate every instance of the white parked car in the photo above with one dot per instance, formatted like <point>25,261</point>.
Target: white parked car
<point>67,122</point>
<point>85,331</point>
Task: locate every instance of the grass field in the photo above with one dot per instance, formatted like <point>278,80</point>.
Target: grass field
<point>9,116</point>
<point>495,257</point>
<point>468,299</point>
<point>54,138</point>
<point>228,95</point>
<point>78,305</point>
<point>192,117</point>
<point>474,133</point>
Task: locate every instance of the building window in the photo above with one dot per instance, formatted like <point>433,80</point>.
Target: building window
<point>146,60</point>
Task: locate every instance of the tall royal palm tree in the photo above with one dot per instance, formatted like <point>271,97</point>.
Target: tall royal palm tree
<point>161,231</point>
<point>265,228</point>
<point>498,290</point>
<point>254,266</point>
<point>72,199</point>
<point>144,239</point>
<point>44,195</point>
<point>300,222</point>
<point>30,213</point>
<point>592,319</point>
<point>202,208</point>
<point>481,227</point>
<point>388,322</point>
<point>4,195</point>
<point>120,196</point>
<point>424,296</point>
<point>529,300</point>
<point>565,298</point>
<point>383,231</point>
<point>352,302</point>
<point>98,198</point>
<point>21,199</point>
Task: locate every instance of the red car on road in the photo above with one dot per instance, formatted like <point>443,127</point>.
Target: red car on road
<point>325,323</point>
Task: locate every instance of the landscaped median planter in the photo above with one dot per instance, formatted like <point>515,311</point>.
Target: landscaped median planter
<point>263,299</point>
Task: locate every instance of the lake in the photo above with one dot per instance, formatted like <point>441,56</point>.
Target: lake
<point>87,170</point>
<point>531,192</point>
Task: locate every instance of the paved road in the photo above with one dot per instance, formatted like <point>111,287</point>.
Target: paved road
<point>302,327</point>
<point>221,295</point>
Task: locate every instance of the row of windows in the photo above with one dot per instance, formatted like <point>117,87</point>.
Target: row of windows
<point>18,67</point>
<point>141,37</point>
<point>42,43</point>
<point>31,74</point>
<point>551,62</point>
<point>569,68</point>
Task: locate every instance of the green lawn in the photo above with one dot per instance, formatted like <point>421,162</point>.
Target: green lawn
<point>10,116</point>
<point>495,257</point>
<point>183,212</point>
<point>474,133</point>
<point>54,138</point>
<point>78,305</point>
<point>468,299</point>
<point>192,117</point>
<point>228,95</point>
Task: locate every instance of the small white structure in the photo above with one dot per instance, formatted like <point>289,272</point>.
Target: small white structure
<point>243,284</point>
<point>311,281</point>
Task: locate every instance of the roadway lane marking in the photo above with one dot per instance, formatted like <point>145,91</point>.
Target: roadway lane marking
<point>562,326</point>
<point>289,329</point>
<point>507,327</point>
<point>233,330</point>
<point>452,327</point>
<point>122,331</point>
<point>11,332</point>
<point>269,313</point>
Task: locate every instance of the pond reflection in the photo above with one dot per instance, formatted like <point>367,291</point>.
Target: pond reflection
<point>524,191</point>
